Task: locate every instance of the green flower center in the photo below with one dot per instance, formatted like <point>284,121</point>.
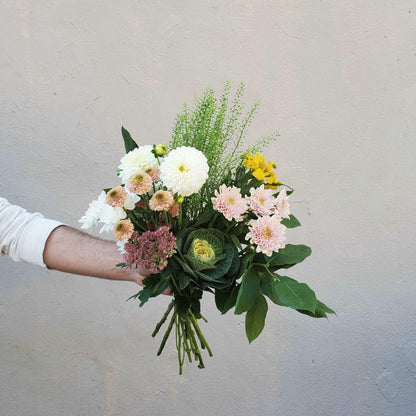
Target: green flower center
<point>203,250</point>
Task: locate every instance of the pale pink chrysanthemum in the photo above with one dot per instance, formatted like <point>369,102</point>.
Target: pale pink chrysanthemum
<point>123,230</point>
<point>151,250</point>
<point>153,172</point>
<point>261,201</point>
<point>229,202</point>
<point>161,201</point>
<point>282,205</point>
<point>267,234</point>
<point>139,183</point>
<point>116,197</point>
<point>174,210</point>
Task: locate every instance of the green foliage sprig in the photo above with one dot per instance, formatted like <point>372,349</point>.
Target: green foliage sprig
<point>217,127</point>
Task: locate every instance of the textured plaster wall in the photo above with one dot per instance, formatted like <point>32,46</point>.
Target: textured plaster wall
<point>337,79</point>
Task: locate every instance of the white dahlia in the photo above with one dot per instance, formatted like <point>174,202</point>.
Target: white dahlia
<point>110,217</point>
<point>131,201</point>
<point>184,170</point>
<point>93,213</point>
<point>135,161</point>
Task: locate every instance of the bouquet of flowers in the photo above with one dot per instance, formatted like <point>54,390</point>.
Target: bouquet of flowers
<point>205,214</point>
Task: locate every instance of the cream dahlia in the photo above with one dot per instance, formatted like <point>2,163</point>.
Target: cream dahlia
<point>139,183</point>
<point>116,197</point>
<point>184,170</point>
<point>161,201</point>
<point>267,234</point>
<point>135,161</point>
<point>123,230</point>
<point>229,202</point>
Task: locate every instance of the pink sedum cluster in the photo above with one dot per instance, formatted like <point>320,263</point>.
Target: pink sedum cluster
<point>151,250</point>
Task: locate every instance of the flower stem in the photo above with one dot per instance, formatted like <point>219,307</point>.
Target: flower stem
<point>201,337</point>
<point>167,333</point>
<point>195,345</point>
<point>164,317</point>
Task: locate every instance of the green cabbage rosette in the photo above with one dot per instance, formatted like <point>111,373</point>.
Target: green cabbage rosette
<point>207,258</point>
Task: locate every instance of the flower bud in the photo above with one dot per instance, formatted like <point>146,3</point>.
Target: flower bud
<point>160,149</point>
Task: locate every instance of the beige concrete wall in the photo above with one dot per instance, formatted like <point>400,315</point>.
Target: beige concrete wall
<point>337,79</point>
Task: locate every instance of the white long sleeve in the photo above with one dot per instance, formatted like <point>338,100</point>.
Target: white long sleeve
<point>23,234</point>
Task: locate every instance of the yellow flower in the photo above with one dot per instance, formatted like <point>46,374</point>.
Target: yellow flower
<point>262,170</point>
<point>259,174</point>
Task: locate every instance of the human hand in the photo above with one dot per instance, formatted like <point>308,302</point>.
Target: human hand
<point>140,274</point>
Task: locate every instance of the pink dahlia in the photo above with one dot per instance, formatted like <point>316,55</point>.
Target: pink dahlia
<point>282,205</point>
<point>267,234</point>
<point>153,172</point>
<point>139,183</point>
<point>229,202</point>
<point>116,197</point>
<point>123,230</point>
<point>261,201</point>
<point>151,250</point>
<point>174,210</point>
<point>161,201</point>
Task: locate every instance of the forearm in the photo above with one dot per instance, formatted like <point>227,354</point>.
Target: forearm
<point>72,251</point>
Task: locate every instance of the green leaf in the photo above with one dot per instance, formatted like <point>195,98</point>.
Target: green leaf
<point>268,287</point>
<point>291,222</point>
<point>255,318</point>
<point>236,241</point>
<point>295,295</point>
<point>121,265</point>
<point>288,256</point>
<point>129,143</point>
<point>320,311</point>
<point>183,280</point>
<point>226,299</point>
<point>249,289</point>
<point>185,267</point>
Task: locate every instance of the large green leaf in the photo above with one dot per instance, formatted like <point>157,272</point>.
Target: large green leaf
<point>183,279</point>
<point>226,299</point>
<point>295,295</point>
<point>291,222</point>
<point>255,318</point>
<point>129,143</point>
<point>288,256</point>
<point>268,287</point>
<point>320,312</point>
<point>249,289</point>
